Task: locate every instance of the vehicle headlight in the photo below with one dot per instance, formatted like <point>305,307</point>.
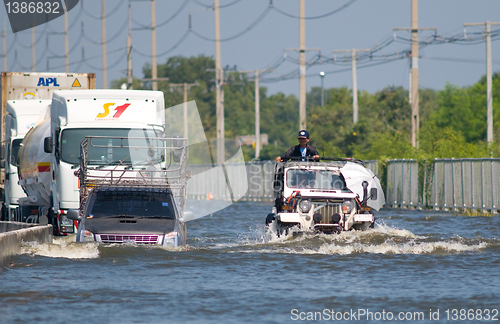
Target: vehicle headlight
<point>347,206</point>
<point>305,206</point>
<point>87,236</point>
<point>171,239</point>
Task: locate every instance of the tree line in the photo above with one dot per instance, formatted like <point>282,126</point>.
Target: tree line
<point>452,120</point>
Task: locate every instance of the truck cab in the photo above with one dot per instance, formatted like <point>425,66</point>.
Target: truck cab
<point>137,215</point>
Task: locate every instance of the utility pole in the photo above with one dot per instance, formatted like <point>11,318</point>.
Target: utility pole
<point>33,56</point>
<point>257,111</point>
<point>354,80</point>
<point>4,36</point>
<point>130,80</point>
<point>66,43</point>
<point>302,88</point>
<point>219,94</point>
<point>187,87</point>
<point>154,75</point>
<point>104,66</point>
<point>415,123</point>
<point>489,86</point>
<point>302,60</point>
<point>302,64</point>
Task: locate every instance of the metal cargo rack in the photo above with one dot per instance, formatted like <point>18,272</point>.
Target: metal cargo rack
<point>150,162</point>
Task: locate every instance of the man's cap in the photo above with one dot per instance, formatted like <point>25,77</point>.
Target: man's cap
<point>303,133</point>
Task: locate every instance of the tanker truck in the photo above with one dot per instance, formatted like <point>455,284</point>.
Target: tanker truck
<point>21,116</point>
<point>50,153</point>
<point>24,96</point>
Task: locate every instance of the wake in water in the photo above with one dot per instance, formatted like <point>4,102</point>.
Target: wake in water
<point>66,247</point>
<point>382,239</point>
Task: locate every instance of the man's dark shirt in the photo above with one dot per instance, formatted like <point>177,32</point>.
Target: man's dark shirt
<point>294,151</point>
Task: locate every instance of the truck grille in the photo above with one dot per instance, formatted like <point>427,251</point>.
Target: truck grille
<point>135,238</point>
<point>327,211</point>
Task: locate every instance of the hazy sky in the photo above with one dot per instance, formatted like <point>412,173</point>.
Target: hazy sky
<point>360,24</point>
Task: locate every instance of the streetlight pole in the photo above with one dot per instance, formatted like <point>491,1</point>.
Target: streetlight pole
<point>322,76</point>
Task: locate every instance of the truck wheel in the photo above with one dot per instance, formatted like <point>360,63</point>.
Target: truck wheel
<point>3,215</point>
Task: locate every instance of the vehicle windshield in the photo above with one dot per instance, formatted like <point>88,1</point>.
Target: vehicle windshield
<point>314,179</point>
<point>16,145</point>
<point>132,204</point>
<point>105,151</point>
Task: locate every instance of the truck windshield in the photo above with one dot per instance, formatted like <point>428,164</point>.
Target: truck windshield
<point>132,204</point>
<point>107,151</point>
<point>314,179</point>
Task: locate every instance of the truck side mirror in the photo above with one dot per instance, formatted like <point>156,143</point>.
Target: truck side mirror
<point>73,214</point>
<point>47,145</point>
<point>2,164</point>
<point>187,216</point>
<point>373,193</point>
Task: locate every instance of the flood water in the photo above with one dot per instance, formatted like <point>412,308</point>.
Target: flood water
<point>420,266</point>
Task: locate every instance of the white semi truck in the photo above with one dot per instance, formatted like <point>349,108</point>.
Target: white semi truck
<point>50,152</point>
<point>24,97</point>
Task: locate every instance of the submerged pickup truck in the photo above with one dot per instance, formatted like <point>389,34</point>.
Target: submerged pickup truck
<point>132,190</point>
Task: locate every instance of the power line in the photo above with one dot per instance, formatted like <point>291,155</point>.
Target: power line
<point>179,42</point>
<point>75,20</point>
<point>118,61</point>
<point>115,9</point>
<point>220,7</point>
<point>455,59</point>
<point>255,23</point>
<point>315,17</point>
<point>183,5</point>
<point>108,40</point>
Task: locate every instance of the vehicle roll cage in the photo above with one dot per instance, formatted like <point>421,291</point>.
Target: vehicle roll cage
<point>323,158</point>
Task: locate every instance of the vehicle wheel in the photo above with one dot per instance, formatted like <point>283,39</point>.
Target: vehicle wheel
<point>3,215</point>
<point>269,219</point>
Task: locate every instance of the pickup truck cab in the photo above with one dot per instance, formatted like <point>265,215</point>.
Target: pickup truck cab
<point>131,215</point>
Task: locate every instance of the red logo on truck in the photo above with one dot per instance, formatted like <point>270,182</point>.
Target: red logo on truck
<point>119,111</point>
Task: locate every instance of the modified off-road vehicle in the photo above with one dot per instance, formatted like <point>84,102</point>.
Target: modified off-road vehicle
<point>327,196</point>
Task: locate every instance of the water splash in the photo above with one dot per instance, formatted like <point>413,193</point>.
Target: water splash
<point>62,247</point>
<point>383,239</point>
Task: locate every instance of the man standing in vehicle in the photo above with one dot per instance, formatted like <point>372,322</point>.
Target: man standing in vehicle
<point>302,150</point>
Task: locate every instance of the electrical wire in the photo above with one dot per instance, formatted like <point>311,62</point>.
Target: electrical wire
<point>112,38</point>
<point>320,16</point>
<point>220,7</point>
<point>455,59</point>
<point>70,27</point>
<point>255,23</point>
<point>179,42</point>
<point>115,9</point>
<point>118,61</point>
<point>183,5</point>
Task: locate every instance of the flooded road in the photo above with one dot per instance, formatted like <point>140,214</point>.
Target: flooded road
<point>423,266</point>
